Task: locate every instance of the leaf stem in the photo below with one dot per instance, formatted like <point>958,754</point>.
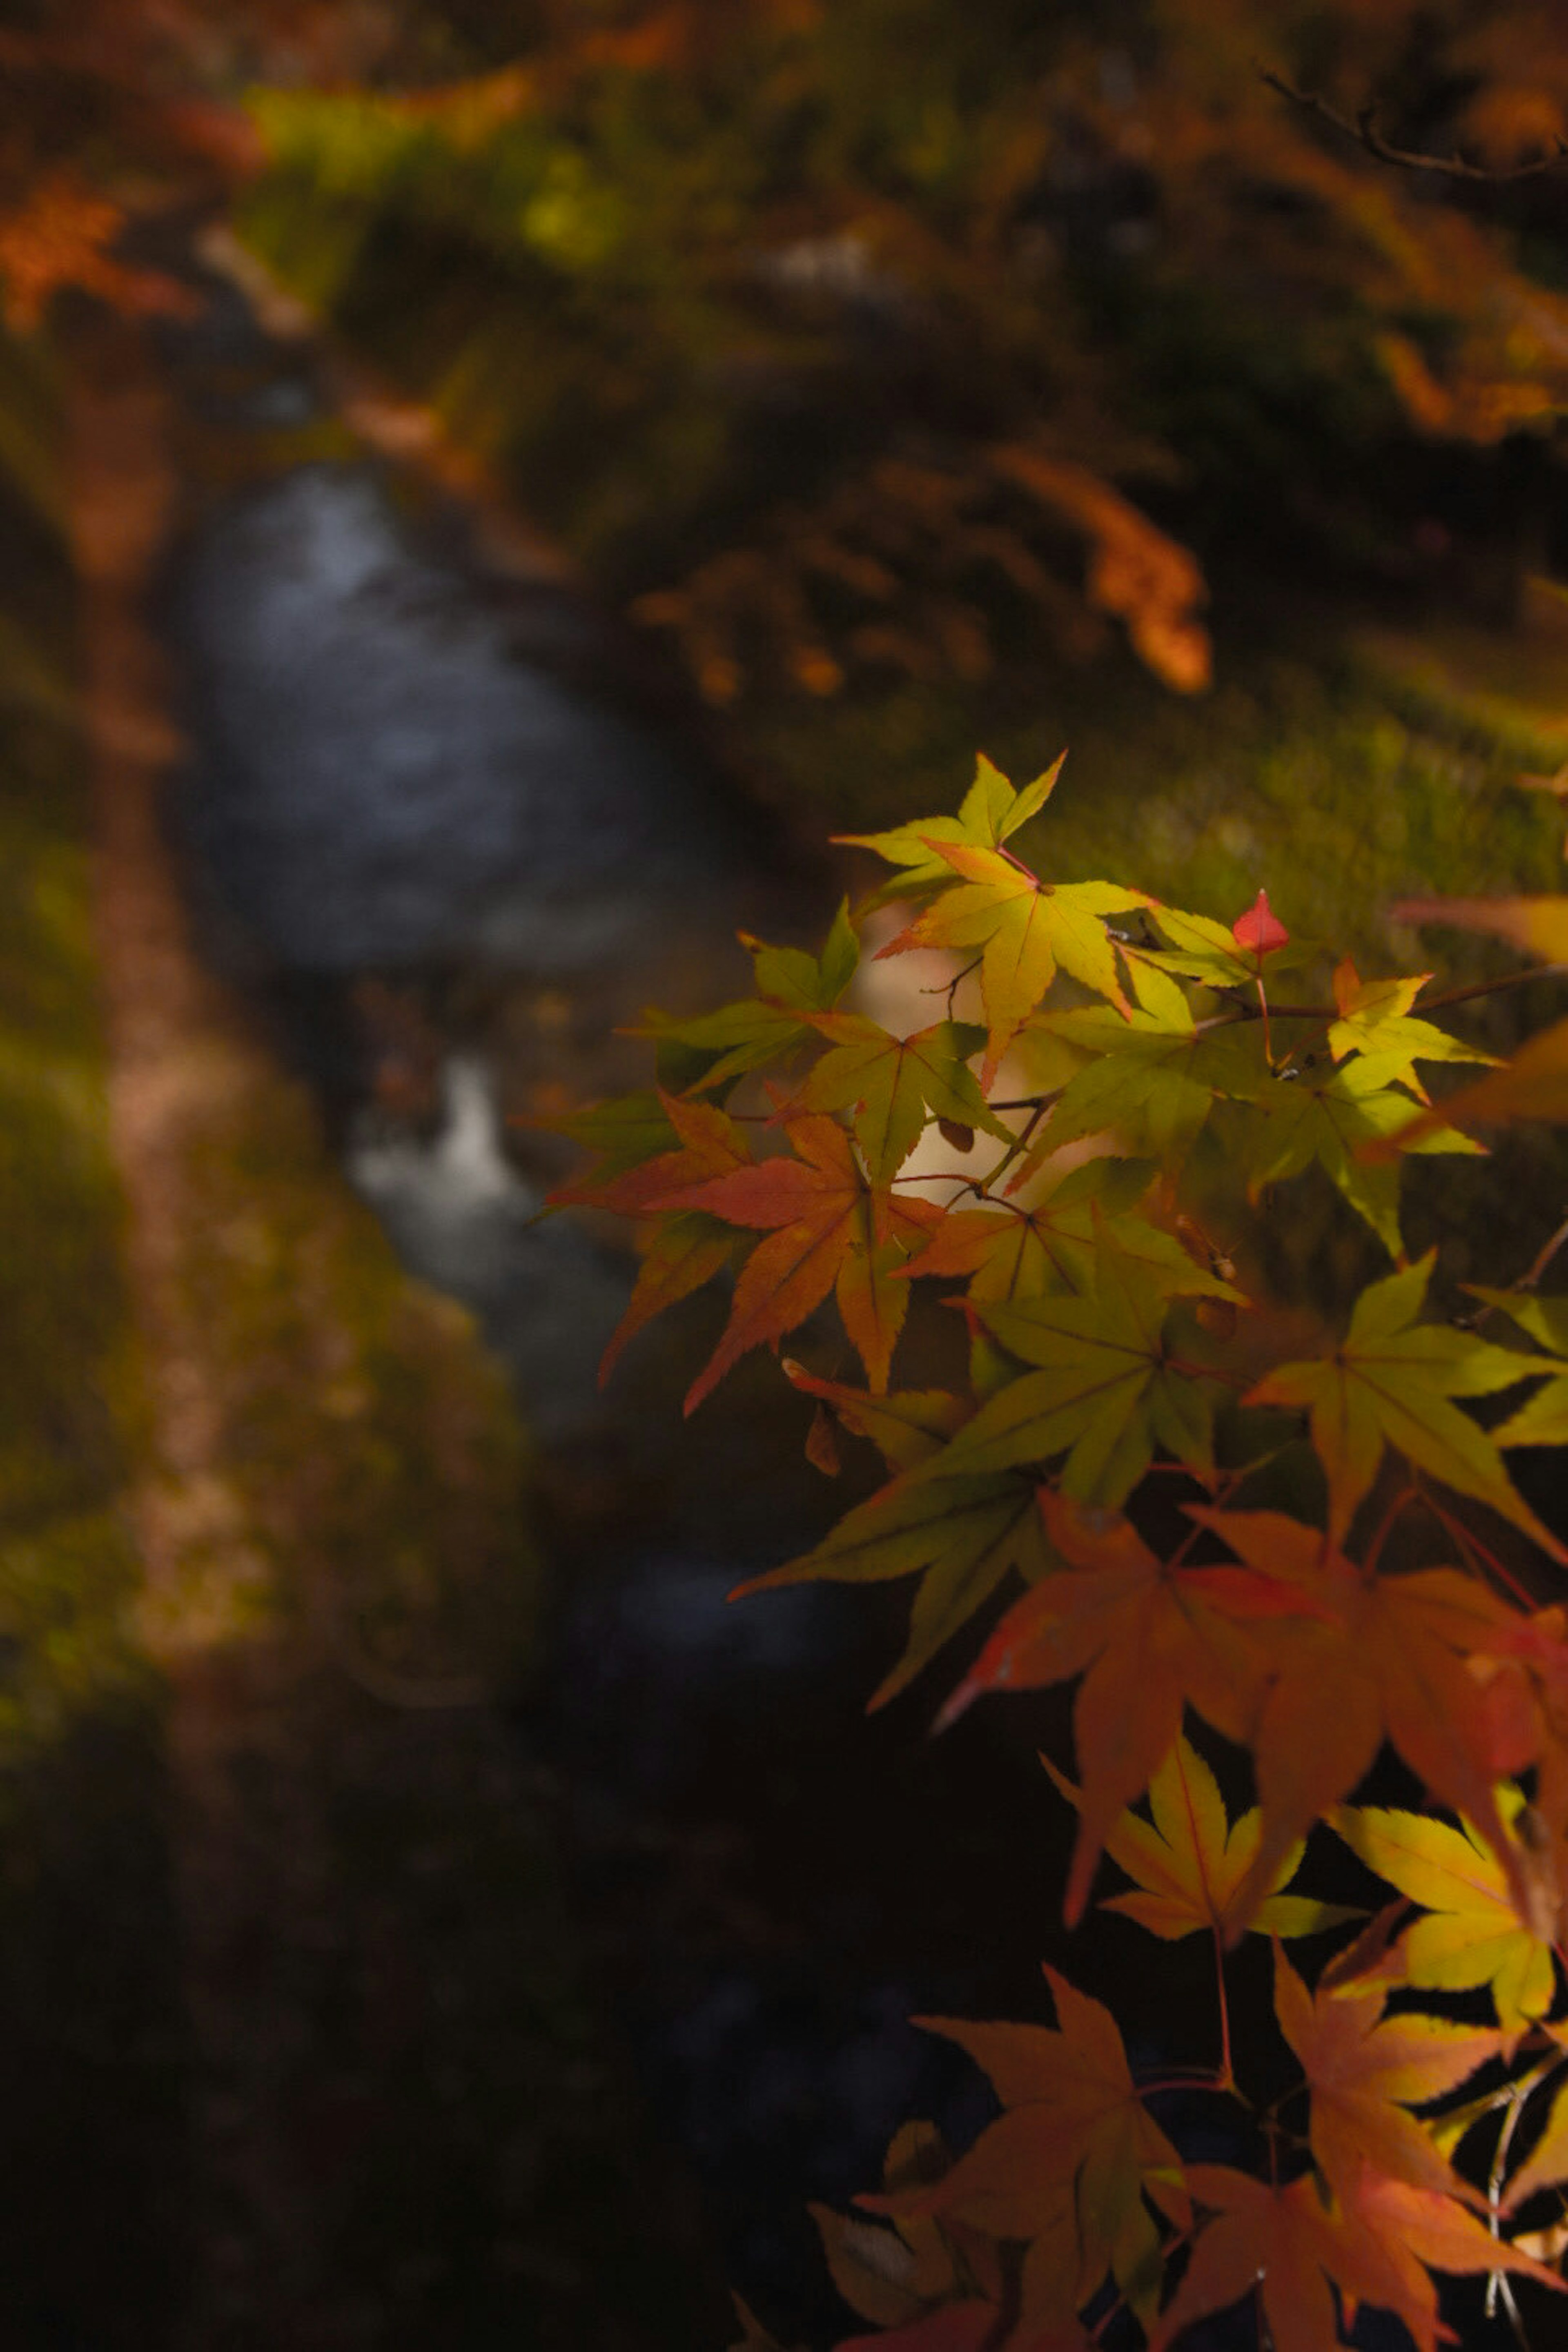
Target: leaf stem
<point>1386,1526</point>
<point>1227,2074</point>
<point>1490,987</point>
<point>1200,2079</point>
<point>1477,1553</point>
<point>1529,1280</point>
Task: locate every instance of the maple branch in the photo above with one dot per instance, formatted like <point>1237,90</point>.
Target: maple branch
<point>1529,1280</point>
<point>1490,987</point>
<point>1365,131</point>
<point>1241,1008</point>
<point>1192,1372</point>
<point>1043,1103</point>
<point>952,986</point>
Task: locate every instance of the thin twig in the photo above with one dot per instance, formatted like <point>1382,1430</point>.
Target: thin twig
<point>1363,129</point>
<point>1490,987</point>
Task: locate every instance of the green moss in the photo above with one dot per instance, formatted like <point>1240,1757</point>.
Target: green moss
<point>67,1571</point>
<point>369,1444</point>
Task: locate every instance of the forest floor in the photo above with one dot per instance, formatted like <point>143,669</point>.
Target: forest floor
<point>297,2049</point>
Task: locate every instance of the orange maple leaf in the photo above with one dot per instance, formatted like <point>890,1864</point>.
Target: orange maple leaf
<point>1392,1652</point>
<point>1395,2235</point>
<point>1277,2241</point>
<point>708,1141</point>
<point>1365,2070</point>
<point>1149,1639</point>
<point>1287,2245</point>
<point>830,1230</point>
<point>1067,2167</point>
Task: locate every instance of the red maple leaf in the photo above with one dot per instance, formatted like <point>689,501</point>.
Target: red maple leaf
<point>1260,931</point>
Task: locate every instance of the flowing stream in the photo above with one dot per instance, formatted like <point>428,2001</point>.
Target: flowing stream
<point>432,832</point>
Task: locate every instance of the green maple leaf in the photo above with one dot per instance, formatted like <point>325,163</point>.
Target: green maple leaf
<point>893,1082</point>
<point>990,813</point>
<point>961,1535</point>
<point>1025,928</point>
<point>907,1427</point>
<point>626,1133</point>
<point>1391,1382</point>
<point>1007,1251</point>
<point>1188,1861</point>
<point>713,1049</point>
<point>1202,950</point>
<point>1156,1072</point>
<point>1375,1022</point>
<point>1011,1253</point>
<point>1101,1393</point>
<point>1541,1419</point>
<point>1332,1116</point>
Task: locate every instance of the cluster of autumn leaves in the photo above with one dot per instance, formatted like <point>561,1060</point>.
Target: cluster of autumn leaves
<point>1036,1156</point>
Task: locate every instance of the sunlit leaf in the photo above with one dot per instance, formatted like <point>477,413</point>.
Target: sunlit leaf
<point>1188,1861</point>
<point>1392,1381</point>
<point>1473,1934</point>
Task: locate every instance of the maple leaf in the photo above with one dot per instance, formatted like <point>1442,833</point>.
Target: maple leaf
<point>990,814</point>
<point>713,1049</point>
<point>1010,1252</point>
<point>1024,928</point>
<point>1473,1934</point>
<point>828,1230</point>
<point>1546,2165</point>
<point>1156,1072</point>
<point>1260,933</point>
<point>756,2337</point>
<point>1541,1419</point>
<point>1102,1393</point>
<point>1539,926</point>
<point>683,1253</point>
<point>1067,2165</point>
<point>1205,951</point>
<point>1392,1650</point>
<point>961,1536</point>
<point>1279,2242</point>
<point>1394,2235</point>
<point>1339,1116</point>
<point>1365,2071</point>
<point>1375,1021</point>
<point>931,2285</point>
<point>651,1146</point>
<point>1293,2249</point>
<point>62,234</point>
<point>907,1428</point>
<point>1149,1639</point>
<point>1534,1083</point>
<point>1392,1381</point>
<point>1188,1863</point>
<point>892,1083</point>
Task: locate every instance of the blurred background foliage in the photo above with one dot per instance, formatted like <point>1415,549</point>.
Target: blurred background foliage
<point>861,344</point>
<point>905,375</point>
